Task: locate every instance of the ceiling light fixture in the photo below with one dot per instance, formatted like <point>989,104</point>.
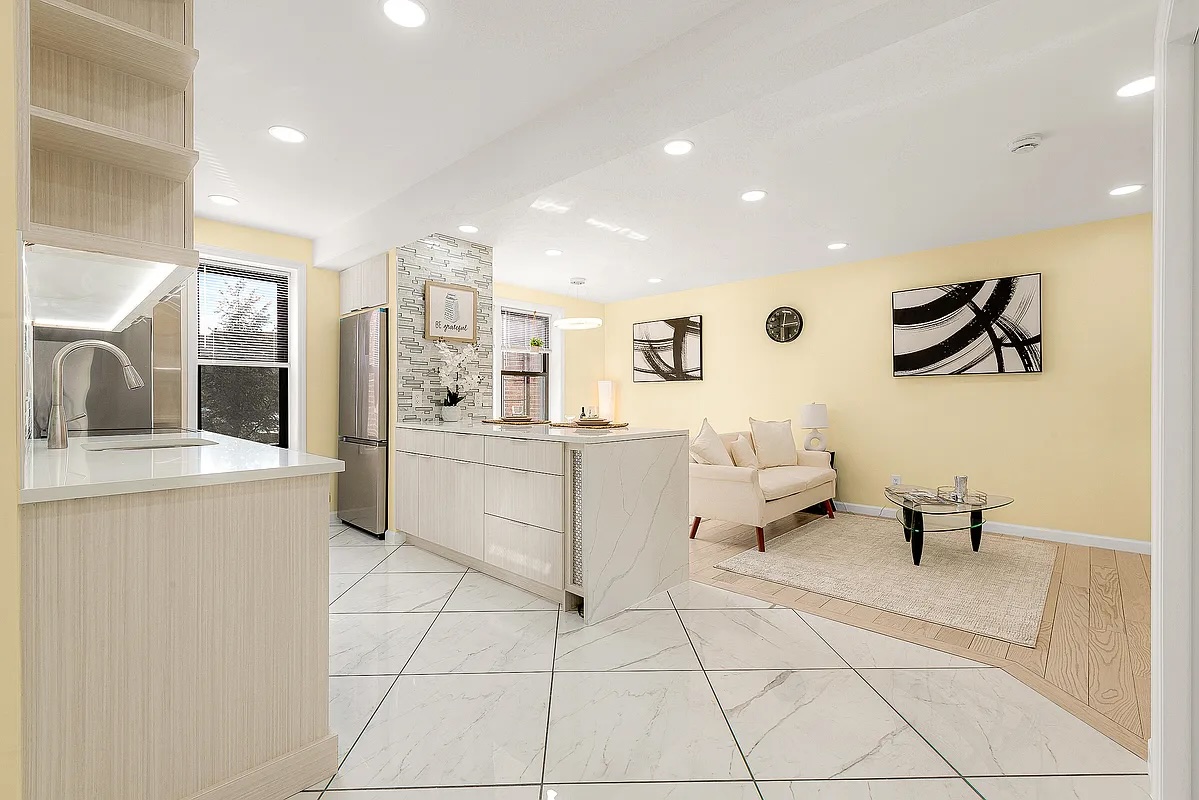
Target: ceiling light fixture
<point>223,200</point>
<point>468,229</point>
<point>655,280</point>
<point>1131,188</point>
<point>753,196</point>
<point>838,245</point>
<point>1141,86</point>
<point>406,13</point>
<point>552,252</point>
<point>578,323</point>
<point>678,147</point>
<point>286,134</point>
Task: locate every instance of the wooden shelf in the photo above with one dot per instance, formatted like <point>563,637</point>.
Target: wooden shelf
<point>78,31</point>
<point>50,130</point>
<point>37,233</point>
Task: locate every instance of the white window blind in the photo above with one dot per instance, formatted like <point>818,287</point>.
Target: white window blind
<point>241,316</point>
<point>523,375</point>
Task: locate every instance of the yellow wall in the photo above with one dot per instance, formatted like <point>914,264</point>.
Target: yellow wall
<point>10,371</point>
<point>323,288</point>
<point>583,351</point>
<point>1070,444</point>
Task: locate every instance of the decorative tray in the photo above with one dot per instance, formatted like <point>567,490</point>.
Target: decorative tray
<point>516,421</point>
<point>605,427</point>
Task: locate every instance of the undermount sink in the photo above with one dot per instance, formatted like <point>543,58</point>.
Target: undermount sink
<point>159,443</point>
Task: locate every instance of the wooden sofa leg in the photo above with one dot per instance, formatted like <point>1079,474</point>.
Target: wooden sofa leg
<point>694,527</point>
<point>828,506</point>
<point>761,540</point>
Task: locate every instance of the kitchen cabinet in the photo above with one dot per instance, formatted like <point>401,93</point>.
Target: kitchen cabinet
<point>364,285</point>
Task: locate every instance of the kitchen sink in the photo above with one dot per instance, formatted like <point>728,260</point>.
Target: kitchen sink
<point>157,443</point>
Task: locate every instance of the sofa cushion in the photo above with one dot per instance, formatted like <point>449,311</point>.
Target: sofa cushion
<point>774,443</point>
<point>707,448</point>
<point>743,453</point>
<point>780,482</point>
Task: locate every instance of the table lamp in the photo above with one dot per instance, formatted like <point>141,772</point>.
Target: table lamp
<point>814,417</point>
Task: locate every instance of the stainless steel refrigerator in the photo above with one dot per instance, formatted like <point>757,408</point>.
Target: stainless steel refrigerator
<point>362,426</point>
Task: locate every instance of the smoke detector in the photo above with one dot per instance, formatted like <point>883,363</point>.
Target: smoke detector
<point>1025,144</point>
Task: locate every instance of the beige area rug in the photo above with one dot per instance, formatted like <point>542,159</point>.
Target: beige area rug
<point>998,592</point>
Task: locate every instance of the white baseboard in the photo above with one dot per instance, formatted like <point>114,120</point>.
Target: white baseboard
<point>1027,531</point>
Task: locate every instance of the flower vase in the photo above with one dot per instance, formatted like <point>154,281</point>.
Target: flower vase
<point>451,413</point>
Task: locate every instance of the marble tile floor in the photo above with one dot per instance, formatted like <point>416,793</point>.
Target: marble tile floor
<point>448,684</point>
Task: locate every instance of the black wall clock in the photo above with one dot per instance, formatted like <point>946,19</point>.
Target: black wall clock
<point>784,324</point>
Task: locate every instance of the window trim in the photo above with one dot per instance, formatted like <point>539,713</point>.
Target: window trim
<point>556,381</point>
<point>297,336</point>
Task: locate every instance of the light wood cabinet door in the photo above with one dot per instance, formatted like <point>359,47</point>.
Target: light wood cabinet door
<point>430,482</point>
<point>530,497</point>
<point>526,550</point>
<point>526,454</point>
<point>462,500</point>
<point>408,494</point>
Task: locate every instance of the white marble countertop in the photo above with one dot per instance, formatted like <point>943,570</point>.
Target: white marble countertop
<point>545,433</point>
<point>79,471</point>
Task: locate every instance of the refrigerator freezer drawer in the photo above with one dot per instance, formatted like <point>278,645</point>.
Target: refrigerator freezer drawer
<point>362,488</point>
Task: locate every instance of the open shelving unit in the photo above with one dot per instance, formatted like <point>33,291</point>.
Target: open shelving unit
<point>69,28</point>
<point>50,130</point>
<point>107,128</point>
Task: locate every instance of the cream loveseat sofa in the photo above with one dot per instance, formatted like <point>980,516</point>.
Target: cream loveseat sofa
<point>760,496</point>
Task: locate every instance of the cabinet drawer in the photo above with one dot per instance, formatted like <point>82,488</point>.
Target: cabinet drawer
<point>526,550</point>
<point>530,497</point>
<point>526,454</point>
<point>427,443</point>
<point>463,447</point>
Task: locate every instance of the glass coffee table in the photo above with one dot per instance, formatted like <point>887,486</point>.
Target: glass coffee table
<point>916,503</point>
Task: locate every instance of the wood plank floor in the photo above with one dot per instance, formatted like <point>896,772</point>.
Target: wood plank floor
<point>1092,652</point>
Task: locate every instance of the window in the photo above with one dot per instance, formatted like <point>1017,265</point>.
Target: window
<point>243,352</point>
<point>524,375</point>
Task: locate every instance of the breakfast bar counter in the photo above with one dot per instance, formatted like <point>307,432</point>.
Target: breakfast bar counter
<point>595,519</point>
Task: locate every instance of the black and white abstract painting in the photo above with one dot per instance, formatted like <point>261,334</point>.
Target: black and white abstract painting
<point>975,328</point>
<point>668,350</point>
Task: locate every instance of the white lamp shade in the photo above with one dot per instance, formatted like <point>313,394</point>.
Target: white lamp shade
<point>813,415</point>
<point>607,400</point>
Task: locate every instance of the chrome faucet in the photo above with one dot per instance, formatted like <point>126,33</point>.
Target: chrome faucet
<point>57,429</point>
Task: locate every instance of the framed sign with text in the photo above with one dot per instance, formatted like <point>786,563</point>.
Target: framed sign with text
<point>451,312</point>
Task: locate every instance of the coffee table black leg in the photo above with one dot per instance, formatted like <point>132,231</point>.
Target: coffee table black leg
<point>917,536</point>
<point>976,529</point>
<point>907,524</point>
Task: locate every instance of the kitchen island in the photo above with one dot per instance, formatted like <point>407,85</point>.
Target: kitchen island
<point>174,618</point>
<point>595,520</point>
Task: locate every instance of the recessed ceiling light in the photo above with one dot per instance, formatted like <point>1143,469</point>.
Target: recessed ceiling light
<point>223,200</point>
<point>406,13</point>
<point>1141,86</point>
<point>468,229</point>
<point>838,245</point>
<point>552,252</point>
<point>679,147</point>
<point>1120,191</point>
<point>286,134</point>
<point>753,196</point>
<point>655,280</point>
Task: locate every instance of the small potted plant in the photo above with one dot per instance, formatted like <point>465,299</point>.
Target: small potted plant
<point>536,343</point>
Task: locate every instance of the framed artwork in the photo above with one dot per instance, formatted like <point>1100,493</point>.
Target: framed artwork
<point>668,350</point>
<point>451,312</point>
<point>976,328</point>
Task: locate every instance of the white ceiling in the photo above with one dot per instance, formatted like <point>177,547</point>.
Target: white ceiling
<point>880,122</point>
<point>385,107</point>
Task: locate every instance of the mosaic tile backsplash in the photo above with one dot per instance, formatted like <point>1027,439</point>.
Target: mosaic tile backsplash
<point>447,260</point>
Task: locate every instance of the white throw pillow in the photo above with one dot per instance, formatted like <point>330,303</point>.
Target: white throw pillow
<point>743,453</point>
<point>707,448</point>
<point>774,443</point>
